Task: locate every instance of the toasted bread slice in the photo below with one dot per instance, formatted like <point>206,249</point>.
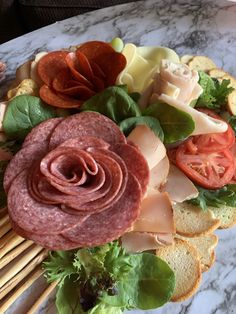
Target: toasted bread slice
<point>186,58</point>
<point>201,63</point>
<point>205,246</point>
<point>217,73</point>
<point>192,221</point>
<point>184,260</point>
<point>226,215</point>
<point>231,103</point>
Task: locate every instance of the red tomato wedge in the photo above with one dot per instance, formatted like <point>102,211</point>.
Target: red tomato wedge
<point>233,150</point>
<point>214,142</point>
<point>209,170</point>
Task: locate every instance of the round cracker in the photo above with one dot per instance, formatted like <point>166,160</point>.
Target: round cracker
<point>201,63</point>
<point>226,216</point>
<point>184,260</point>
<point>192,221</point>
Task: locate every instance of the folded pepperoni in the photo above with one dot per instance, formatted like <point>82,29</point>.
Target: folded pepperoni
<point>87,124</point>
<point>94,50</point>
<point>110,224</point>
<point>50,65</point>
<point>57,99</point>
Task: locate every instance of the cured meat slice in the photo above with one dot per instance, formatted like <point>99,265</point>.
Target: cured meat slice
<point>87,124</point>
<point>42,132</point>
<point>135,163</point>
<point>33,216</point>
<point>23,159</point>
<point>112,223</point>
<point>58,99</point>
<point>63,83</point>
<point>51,242</point>
<point>50,65</point>
<point>89,142</point>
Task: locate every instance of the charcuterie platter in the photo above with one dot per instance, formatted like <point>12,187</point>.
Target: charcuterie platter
<point>117,166</point>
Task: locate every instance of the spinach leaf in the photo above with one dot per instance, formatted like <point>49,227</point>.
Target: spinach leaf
<point>23,113</point>
<point>129,124</point>
<point>149,284</point>
<point>114,102</point>
<point>176,124</point>
<point>215,198</point>
<point>214,94</point>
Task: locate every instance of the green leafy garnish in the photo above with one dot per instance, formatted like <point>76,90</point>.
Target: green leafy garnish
<point>232,122</point>
<point>106,279</point>
<point>114,102</point>
<point>127,125</point>
<point>23,113</point>
<point>215,198</point>
<point>176,124</point>
<point>214,94</point>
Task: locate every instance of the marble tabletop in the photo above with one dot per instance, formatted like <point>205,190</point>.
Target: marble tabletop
<point>189,27</point>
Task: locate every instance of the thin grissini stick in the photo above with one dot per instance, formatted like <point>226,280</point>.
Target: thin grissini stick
<point>9,242</point>
<point>30,280</point>
<point>4,220</point>
<point>21,275</point>
<point>19,265</point>
<point>4,229</point>
<point>14,253</point>
<point>42,298</point>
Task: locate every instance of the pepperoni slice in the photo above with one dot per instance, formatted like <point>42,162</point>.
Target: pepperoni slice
<point>57,99</point>
<point>50,65</point>
<point>95,49</point>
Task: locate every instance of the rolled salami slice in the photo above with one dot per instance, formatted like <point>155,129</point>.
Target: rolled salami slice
<point>33,216</point>
<point>135,163</point>
<point>112,223</point>
<point>86,124</point>
<point>42,132</point>
<point>23,159</point>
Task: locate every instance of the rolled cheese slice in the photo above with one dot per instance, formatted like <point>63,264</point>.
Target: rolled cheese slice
<point>156,215</point>
<point>203,123</point>
<point>149,144</point>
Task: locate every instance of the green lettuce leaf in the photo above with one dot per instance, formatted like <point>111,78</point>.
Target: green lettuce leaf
<point>129,124</point>
<point>214,94</point>
<point>176,124</point>
<point>23,113</point>
<point>114,102</point>
<point>215,198</point>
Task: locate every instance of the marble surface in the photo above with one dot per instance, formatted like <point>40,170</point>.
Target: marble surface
<point>189,27</point>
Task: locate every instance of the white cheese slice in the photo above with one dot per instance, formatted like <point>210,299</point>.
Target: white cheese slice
<point>156,215</point>
<point>203,123</point>
<point>178,186</point>
<point>3,108</point>
<point>134,242</point>
<point>149,144</point>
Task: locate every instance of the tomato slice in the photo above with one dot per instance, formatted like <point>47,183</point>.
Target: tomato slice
<point>209,170</point>
<point>213,142</point>
<point>233,150</point>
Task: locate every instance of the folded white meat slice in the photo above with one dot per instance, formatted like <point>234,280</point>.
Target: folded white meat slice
<point>144,241</point>
<point>156,215</point>
<point>178,186</point>
<point>159,174</point>
<point>149,144</point>
<point>203,123</point>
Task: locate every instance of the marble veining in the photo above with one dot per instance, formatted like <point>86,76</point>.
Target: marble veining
<point>189,27</point>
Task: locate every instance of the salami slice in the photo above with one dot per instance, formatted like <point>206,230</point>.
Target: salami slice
<point>135,163</point>
<point>86,124</point>
<point>42,132</point>
<point>51,64</point>
<point>58,99</point>
<point>33,216</point>
<point>95,49</point>
<point>112,223</point>
<point>23,159</point>
<point>51,242</point>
